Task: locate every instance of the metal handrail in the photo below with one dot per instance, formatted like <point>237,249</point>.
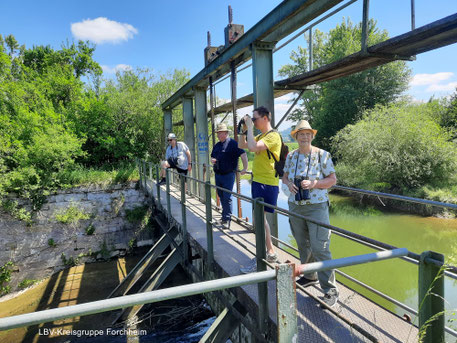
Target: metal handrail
<point>411,257</point>
<point>183,291</point>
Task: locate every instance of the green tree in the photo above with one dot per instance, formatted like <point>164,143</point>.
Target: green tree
<point>12,44</point>
<point>332,105</point>
<point>35,144</point>
<point>79,57</point>
<point>123,119</point>
<point>397,148</point>
<point>449,118</point>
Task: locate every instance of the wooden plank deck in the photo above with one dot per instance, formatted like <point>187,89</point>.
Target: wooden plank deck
<point>235,247</point>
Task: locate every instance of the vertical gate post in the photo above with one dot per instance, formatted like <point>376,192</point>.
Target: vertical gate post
<point>365,19</point>
<point>189,136</point>
<point>209,223</point>
<point>201,123</point>
<point>263,84</point>
<point>157,184</point>
<point>286,300</point>
<point>167,175</point>
<point>431,297</point>
<point>261,252</point>
<point>233,82</point>
<point>182,179</point>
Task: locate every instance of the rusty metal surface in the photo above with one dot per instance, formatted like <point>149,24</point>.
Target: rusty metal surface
<point>432,36</point>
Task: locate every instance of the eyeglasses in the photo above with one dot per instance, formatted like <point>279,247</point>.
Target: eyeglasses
<point>169,140</point>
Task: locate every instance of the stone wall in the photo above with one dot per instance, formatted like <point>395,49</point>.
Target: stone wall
<point>111,221</point>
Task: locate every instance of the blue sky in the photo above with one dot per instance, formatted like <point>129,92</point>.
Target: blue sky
<point>163,35</point>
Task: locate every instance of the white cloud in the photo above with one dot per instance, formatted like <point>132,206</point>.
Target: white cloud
<point>449,87</point>
<point>102,30</point>
<point>119,67</point>
<point>430,79</point>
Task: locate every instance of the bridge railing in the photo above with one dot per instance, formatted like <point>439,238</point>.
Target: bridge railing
<point>284,274</point>
<point>431,309</point>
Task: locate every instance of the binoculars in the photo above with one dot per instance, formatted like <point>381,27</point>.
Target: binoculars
<point>302,194</point>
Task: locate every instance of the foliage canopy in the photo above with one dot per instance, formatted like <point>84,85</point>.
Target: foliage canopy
<point>52,122</point>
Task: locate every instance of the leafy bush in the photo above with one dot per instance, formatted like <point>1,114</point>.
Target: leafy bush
<point>71,215</point>
<point>70,261</point>
<point>398,145</point>
<point>5,277</point>
<point>16,211</point>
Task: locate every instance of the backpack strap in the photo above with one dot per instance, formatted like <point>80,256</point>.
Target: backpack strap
<point>269,153</point>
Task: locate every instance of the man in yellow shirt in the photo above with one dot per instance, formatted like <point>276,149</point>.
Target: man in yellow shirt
<point>265,181</point>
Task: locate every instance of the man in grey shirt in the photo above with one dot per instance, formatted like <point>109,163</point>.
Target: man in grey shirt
<point>177,156</point>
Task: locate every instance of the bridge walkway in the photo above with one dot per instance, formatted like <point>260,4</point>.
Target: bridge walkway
<point>235,247</point>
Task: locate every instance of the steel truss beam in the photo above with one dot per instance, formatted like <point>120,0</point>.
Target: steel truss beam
<point>287,17</point>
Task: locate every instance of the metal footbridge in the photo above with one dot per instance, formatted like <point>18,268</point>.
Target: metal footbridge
<point>267,306</point>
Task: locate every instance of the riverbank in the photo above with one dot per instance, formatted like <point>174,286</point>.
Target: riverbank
<point>391,205</point>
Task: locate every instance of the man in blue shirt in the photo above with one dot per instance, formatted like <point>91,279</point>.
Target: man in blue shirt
<point>224,157</point>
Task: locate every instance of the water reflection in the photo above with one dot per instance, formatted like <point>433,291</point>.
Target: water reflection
<point>396,278</point>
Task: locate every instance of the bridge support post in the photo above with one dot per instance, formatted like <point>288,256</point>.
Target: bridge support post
<point>262,73</point>
<point>167,178</point>
<point>431,297</point>
<point>189,134</point>
<point>286,299</point>
<point>157,184</point>
<point>209,223</point>
<point>261,254</point>
<point>184,218</point>
<point>263,82</point>
<point>201,120</point>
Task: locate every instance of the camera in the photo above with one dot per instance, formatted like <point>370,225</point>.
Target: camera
<point>242,129</point>
<point>302,194</point>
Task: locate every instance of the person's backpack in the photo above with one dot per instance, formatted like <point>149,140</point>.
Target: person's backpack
<point>279,165</point>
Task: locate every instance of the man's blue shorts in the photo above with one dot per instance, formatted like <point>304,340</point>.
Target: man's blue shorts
<point>267,192</point>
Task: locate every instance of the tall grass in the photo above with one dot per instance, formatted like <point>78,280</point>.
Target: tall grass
<point>109,174</point>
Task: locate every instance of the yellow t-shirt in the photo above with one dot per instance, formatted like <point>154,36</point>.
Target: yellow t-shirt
<point>263,167</point>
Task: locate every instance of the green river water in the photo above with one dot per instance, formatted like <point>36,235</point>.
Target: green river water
<point>396,278</point>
